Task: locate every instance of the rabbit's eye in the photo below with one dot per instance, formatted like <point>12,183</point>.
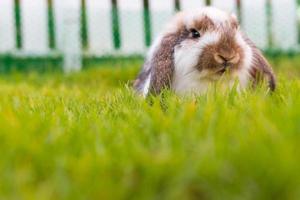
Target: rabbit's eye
<point>195,33</point>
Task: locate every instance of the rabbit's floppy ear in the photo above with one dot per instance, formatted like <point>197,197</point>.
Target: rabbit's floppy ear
<point>162,64</point>
<point>260,68</point>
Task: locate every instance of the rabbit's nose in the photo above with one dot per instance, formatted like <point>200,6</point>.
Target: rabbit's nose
<point>227,58</point>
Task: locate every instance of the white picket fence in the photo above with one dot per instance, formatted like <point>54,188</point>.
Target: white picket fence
<point>67,14</point>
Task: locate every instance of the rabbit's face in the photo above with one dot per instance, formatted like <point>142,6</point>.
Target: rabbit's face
<point>210,42</point>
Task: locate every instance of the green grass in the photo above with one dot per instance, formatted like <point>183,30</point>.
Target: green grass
<point>88,136</point>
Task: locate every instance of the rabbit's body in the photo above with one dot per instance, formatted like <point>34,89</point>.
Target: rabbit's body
<point>201,48</point>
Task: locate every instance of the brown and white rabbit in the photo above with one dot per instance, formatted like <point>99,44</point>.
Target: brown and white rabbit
<point>196,50</point>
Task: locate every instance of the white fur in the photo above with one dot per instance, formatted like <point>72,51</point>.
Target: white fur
<point>187,78</point>
<point>147,86</point>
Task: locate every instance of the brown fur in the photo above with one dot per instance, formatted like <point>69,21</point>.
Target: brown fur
<point>204,24</point>
<point>260,69</point>
<point>227,47</point>
<point>163,63</point>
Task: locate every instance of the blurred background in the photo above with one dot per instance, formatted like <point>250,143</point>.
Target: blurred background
<point>87,135</point>
<point>69,34</point>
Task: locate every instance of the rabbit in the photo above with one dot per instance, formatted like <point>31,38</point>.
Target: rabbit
<point>198,48</point>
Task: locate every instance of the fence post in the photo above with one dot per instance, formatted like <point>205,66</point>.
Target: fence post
<point>72,53</point>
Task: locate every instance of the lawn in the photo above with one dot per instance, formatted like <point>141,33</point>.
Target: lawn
<point>88,136</point>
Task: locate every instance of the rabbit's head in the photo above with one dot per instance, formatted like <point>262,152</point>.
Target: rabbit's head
<point>198,45</point>
<point>209,41</point>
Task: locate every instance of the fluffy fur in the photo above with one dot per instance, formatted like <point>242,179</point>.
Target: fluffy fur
<point>187,63</point>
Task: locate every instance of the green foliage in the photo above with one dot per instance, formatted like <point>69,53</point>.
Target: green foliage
<point>88,136</point>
